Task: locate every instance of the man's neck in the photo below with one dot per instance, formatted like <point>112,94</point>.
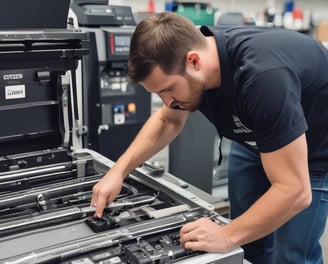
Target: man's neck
<point>213,70</point>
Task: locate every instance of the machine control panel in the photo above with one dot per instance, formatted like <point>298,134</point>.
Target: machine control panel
<point>118,43</point>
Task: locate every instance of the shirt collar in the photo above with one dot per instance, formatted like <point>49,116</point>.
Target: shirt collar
<point>225,68</point>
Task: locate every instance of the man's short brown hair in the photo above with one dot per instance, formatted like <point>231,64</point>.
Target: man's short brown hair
<point>162,39</point>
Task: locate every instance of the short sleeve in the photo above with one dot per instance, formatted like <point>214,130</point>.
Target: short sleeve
<point>271,104</point>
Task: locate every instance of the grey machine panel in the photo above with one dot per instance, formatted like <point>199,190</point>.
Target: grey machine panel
<point>140,226</point>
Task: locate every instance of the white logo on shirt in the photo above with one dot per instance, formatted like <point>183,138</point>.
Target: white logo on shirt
<point>240,127</point>
<point>251,143</point>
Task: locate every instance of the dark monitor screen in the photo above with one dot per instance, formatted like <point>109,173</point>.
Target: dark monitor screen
<point>33,14</point>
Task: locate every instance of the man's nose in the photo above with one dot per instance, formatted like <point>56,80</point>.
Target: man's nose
<point>167,100</point>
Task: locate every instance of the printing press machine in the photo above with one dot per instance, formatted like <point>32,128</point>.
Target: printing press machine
<point>46,177</point>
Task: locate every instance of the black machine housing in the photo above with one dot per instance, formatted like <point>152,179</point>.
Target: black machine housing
<point>114,109</point>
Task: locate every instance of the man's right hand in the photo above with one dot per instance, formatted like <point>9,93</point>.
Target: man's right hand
<point>105,191</point>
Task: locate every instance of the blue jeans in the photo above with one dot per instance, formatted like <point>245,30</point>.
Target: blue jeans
<point>297,241</point>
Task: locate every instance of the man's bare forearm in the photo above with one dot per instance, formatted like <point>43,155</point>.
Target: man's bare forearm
<point>156,133</point>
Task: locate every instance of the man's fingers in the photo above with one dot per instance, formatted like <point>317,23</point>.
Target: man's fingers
<point>188,227</point>
<point>100,204</point>
<point>93,202</point>
<point>194,245</point>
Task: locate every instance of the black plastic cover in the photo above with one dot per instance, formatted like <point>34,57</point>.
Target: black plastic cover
<point>96,13</point>
<point>31,14</point>
<point>31,70</point>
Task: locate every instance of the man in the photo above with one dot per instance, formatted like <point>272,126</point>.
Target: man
<point>266,89</point>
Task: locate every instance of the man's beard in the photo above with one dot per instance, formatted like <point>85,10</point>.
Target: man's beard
<point>195,98</point>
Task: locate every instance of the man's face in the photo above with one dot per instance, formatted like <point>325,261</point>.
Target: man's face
<point>176,91</point>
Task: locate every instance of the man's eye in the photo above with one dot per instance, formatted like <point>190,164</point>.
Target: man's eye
<point>166,90</point>
<point>169,89</point>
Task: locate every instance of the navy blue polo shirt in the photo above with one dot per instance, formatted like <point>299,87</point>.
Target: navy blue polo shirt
<point>274,88</point>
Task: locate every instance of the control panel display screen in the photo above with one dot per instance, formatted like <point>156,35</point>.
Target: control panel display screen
<point>122,41</point>
<point>119,44</point>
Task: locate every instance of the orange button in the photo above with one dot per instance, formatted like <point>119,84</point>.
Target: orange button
<point>132,107</point>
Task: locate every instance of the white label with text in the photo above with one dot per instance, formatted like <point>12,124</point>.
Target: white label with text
<point>15,91</point>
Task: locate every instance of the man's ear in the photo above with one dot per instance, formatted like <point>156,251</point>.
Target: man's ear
<point>193,60</point>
